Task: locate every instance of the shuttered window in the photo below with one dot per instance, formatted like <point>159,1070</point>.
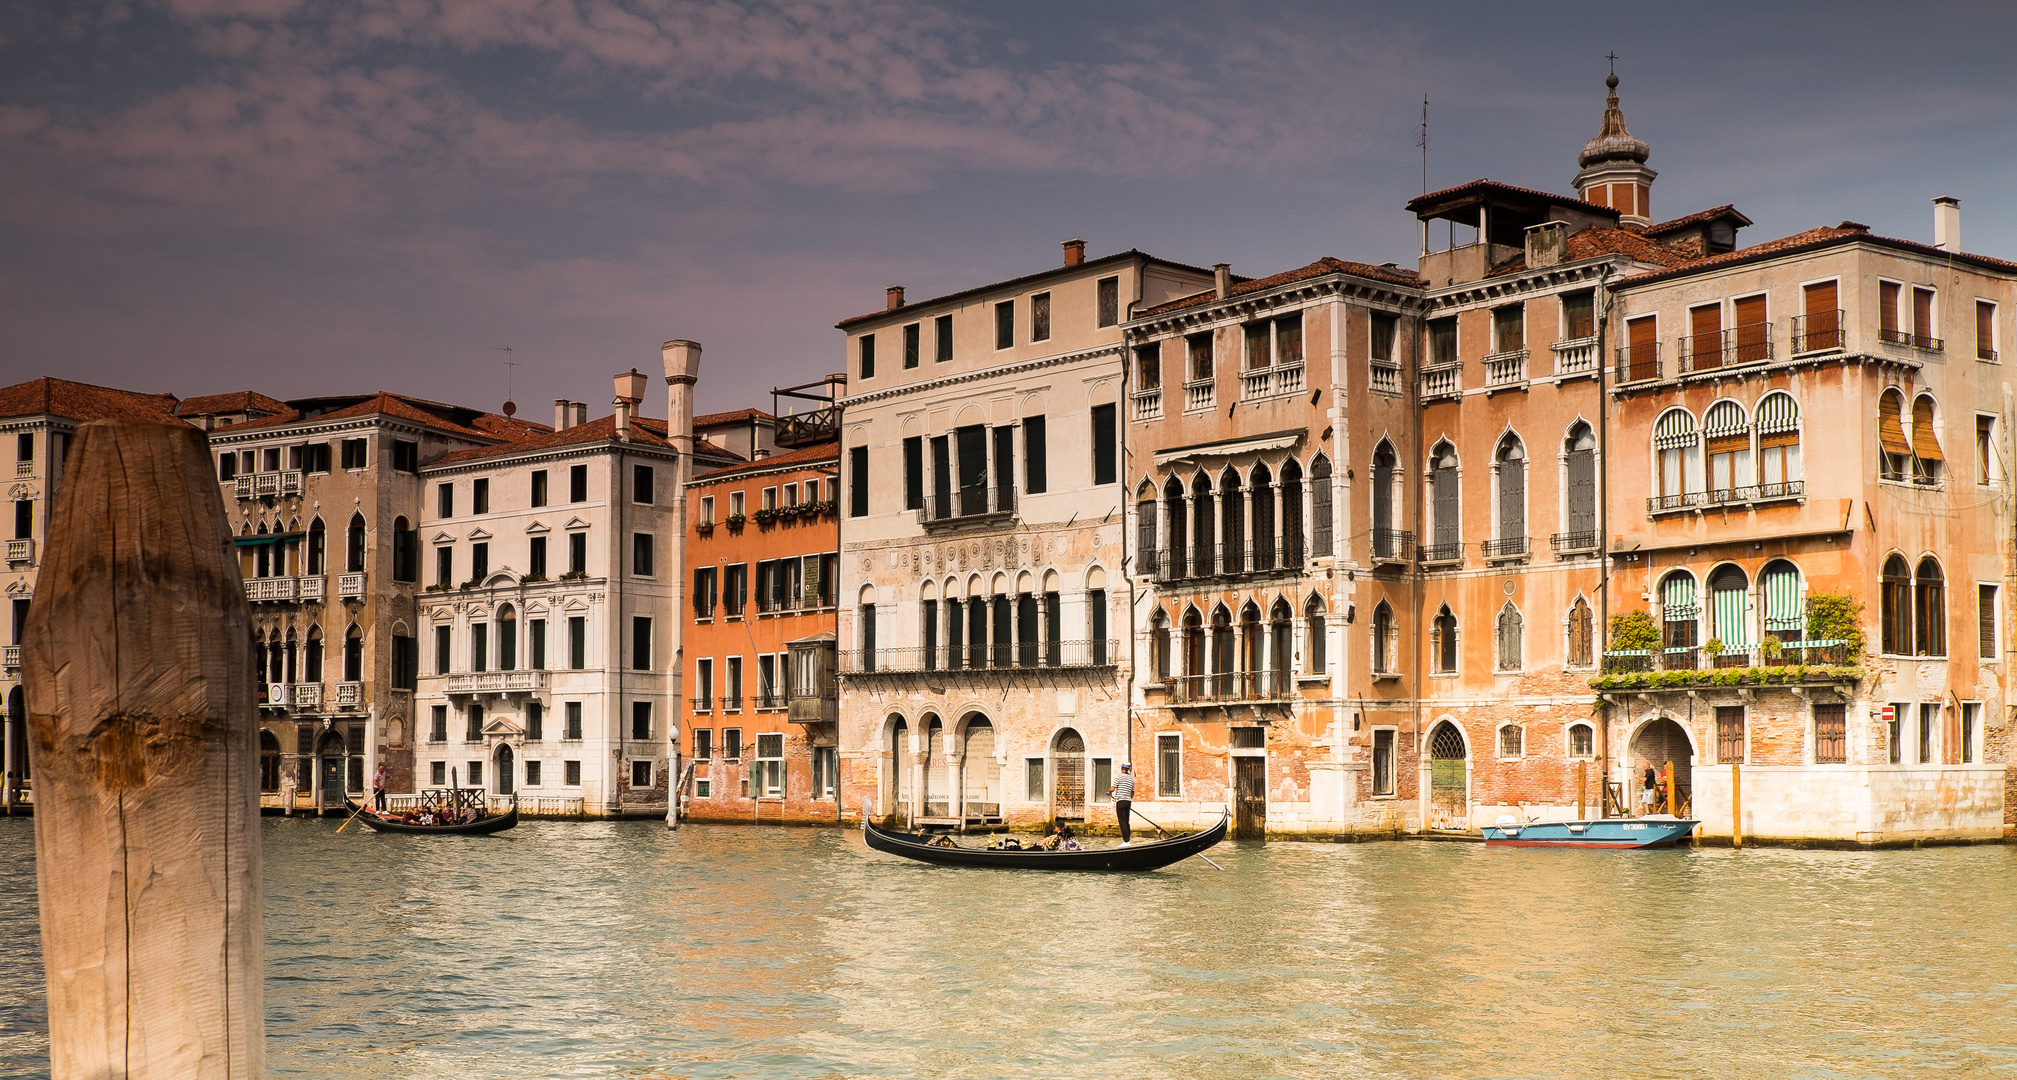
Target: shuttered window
<point>1512,490</point>
<point>1891,435</point>
<point>1783,608</point>
<point>1830,730</point>
<point>1582,483</point>
<point>1985,621</point>
<point>1922,318</point>
<point>1822,323</point>
<point>1925,442</point>
<point>1753,333</point>
<point>1642,358</point>
<point>1678,611</point>
<point>1443,483</point>
<point>1728,589</point>
<point>1887,310</point>
<point>1705,336</point>
<point>1729,734</point>
<point>1985,330</point>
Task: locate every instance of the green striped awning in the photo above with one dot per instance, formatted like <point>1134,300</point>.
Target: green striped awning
<point>1782,601</point>
<point>264,538</point>
<point>1724,418</point>
<point>1676,427</point>
<point>1677,598</point>
<point>1728,615</point>
<point>1778,413</point>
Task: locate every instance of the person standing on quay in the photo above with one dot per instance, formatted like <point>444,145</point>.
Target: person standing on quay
<point>378,788</point>
<point>1123,794</point>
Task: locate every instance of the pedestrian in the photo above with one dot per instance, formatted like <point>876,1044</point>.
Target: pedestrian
<point>1123,795</point>
<point>1650,787</point>
<point>378,788</point>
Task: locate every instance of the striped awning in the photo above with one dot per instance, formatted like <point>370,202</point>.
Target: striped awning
<point>1925,445</point>
<point>1778,413</point>
<point>1677,598</point>
<point>1724,419</point>
<point>264,538</point>
<point>1782,601</point>
<point>1675,428</point>
<point>1727,609</point>
<point>1891,427</point>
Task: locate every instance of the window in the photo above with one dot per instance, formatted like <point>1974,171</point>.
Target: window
<point>1929,727</point>
<point>703,744</point>
<point>1893,452</point>
<point>577,483</point>
<point>703,684</point>
<point>1036,458</point>
<point>443,653</point>
<point>1108,292</point>
<point>1971,721</point>
<point>570,772</point>
<point>532,773</point>
<point>913,473</point>
<point>766,683</point>
<point>570,724</point>
<point>577,642</point>
<point>473,717</point>
<point>1511,463</point>
<point>1383,638</point>
<point>354,546</point>
<point>1987,465</point>
<point>703,592</point>
<point>769,779</point>
<point>1894,728</point>
<point>405,456</point>
<point>479,646</point>
<point>1040,317</point>
<point>942,335</point>
<point>1929,609</point>
<point>640,774</point>
<point>405,662</point>
<point>1895,607</point>
<point>1922,319</point>
<point>1728,435</point>
<point>1383,761</point>
<point>437,772</point>
<point>1509,328</point>
<point>479,560</point>
<point>577,553</point>
<point>640,554</point>
<point>1169,766</point>
<point>864,351</point>
<point>1778,424</point>
<point>356,453</point>
<point>315,457</point>
<point>731,743</point>
<point>535,644</point>
<point>539,487</point>
<point>1314,637</point>
<point>1033,779</point>
<point>227,465</point>
<point>535,722</point>
<point>731,690</point>
<point>735,589</point>
<point>1511,739</point>
<point>1729,590</point>
<point>1830,734</point>
<point>1442,341</point>
<point>1729,734</point>
<point>1103,778</point>
<point>1927,460</point>
<point>535,567</point>
<point>1679,458</point>
<point>640,720</point>
<point>1985,330</point>
<point>640,643</point>
<point>1443,495</point>
<point>1381,342</point>
<point>1321,519</point>
<point>1785,607</point>
<point>1005,324</point>
<point>1985,621</point>
<point>857,481</point>
<point>1680,615</point>
<point>1511,628</point>
<point>1198,354</point>
<point>865,615</point>
<point>1443,641</point>
<point>825,771</point>
<point>1582,741</point>
<point>1105,457</point>
<point>479,496</point>
<point>1887,313</point>
<point>1579,315</point>
<point>438,728</point>
<point>405,551</point>
<point>444,566</point>
<point>1582,634</point>
<point>910,345</point>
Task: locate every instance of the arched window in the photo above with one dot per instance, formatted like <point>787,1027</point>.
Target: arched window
<point>1729,588</point>
<point>1383,639</point>
<point>311,657</point>
<point>1927,461</point>
<point>269,761</point>
<point>1778,446</point>
<point>1176,508</point>
<point>354,549</point>
<point>1264,519</point>
<point>1580,528</point>
<point>1159,644</point>
<point>1281,649</point>
<point>293,653</point>
<point>1313,635</point>
<point>1222,652</point>
<point>1929,609</point>
<point>507,638</point>
<point>1447,543</point>
<point>1386,473</point>
<point>1511,463</point>
<point>1582,741</point>
<point>1511,740</point>
<point>1680,612</point>
<point>1582,634</point>
<point>405,551</point>
<point>1893,452</point>
<point>1785,606</point>
<point>1895,607</point>
<point>1145,530</point>
<point>353,654</point>
<point>1679,455</point>
<point>1511,632</point>
<point>1203,552</point>
<point>1253,650</point>
<point>1292,514</point>
<point>318,548</point>
<point>1232,525</point>
<point>1728,433</point>
<point>1194,653</point>
<point>1321,520</point>
<point>1444,640</point>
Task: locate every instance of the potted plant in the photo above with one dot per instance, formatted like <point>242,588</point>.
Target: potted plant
<point>1712,648</point>
<point>735,521</point>
<point>1772,648</point>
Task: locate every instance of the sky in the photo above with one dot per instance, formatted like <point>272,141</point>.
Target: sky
<point>308,197</point>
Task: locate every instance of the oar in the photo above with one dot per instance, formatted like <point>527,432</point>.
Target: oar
<point>1164,831</point>
<point>351,818</point>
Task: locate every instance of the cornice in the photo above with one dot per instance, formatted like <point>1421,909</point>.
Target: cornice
<point>1525,283</point>
<point>1116,350</point>
<point>506,459</point>
<point>1248,305</point>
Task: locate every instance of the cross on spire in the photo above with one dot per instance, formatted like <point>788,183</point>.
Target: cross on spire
<point>1613,58</point>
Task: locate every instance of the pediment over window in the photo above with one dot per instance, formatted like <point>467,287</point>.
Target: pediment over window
<point>442,538</point>
<point>576,523</point>
<point>478,534</point>
<point>537,528</point>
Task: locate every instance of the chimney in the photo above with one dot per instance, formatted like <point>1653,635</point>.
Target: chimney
<point>1075,251</point>
<point>1222,277</point>
<point>561,414</point>
<point>682,370</point>
<point>895,294</point>
<point>1947,223</point>
<point>1544,244</point>
<point>629,393</point>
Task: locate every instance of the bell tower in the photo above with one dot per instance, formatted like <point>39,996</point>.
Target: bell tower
<point>1614,171</point>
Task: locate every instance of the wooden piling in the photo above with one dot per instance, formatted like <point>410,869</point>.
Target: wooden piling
<point>1736,806</point>
<point>139,675</point>
<point>1582,778</point>
<point>1667,773</point>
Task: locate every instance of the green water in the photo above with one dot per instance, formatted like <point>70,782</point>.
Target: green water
<point>562,949</point>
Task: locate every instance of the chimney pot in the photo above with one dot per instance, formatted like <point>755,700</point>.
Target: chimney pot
<point>1222,278</point>
<point>580,411</point>
<point>1947,223</point>
<point>630,386</point>
<point>1075,251</point>
<point>560,414</point>
<point>895,293</point>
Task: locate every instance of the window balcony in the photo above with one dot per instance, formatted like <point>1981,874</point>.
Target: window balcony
<point>314,589</point>
<point>276,695</point>
<point>1752,494</point>
<point>1914,341</point>
<point>305,695</point>
<point>1442,554</point>
<point>268,485</point>
<point>1638,363</point>
<point>1443,381</point>
<point>263,590</point>
<point>974,505</point>
<point>10,657</point>
<point>1736,347</point>
<point>1819,331</point>
<point>349,695</point>
<point>1575,356</point>
<point>703,704</point>
<point>1697,658</point>
<point>497,682</point>
<point>1232,688</point>
<point>1282,380</point>
<point>1393,546</point>
<point>1226,560</point>
<point>1200,395</point>
<point>994,656</point>
<point>1506,548</point>
<point>814,688</point>
<point>1573,543</point>
<point>1506,370</point>
<point>1386,377</point>
<point>20,551</point>
<point>1148,403</point>
<point>24,468</point>
<point>350,586</point>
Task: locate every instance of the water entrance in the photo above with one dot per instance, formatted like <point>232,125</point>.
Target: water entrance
<point>1250,798</point>
<point>1070,753</point>
<point>1658,743</point>
<point>1449,779</point>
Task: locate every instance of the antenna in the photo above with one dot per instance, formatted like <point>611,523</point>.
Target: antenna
<point>1423,142</point>
<point>510,369</point>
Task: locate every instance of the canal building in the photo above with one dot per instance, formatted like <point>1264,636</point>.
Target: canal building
<point>983,662</point>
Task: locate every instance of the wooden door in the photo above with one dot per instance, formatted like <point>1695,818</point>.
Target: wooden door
<point>1642,351</point>
<point>505,770</point>
<point>1250,798</point>
<point>1753,332</point>
<point>332,780</point>
<point>1071,779</point>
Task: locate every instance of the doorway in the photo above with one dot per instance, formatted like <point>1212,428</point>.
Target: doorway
<point>978,769</point>
<point>17,746</point>
<point>330,767</point>
<point>1069,751</point>
<point>1449,779</point>
<point>1658,743</point>
<point>1250,798</point>
<point>936,792</point>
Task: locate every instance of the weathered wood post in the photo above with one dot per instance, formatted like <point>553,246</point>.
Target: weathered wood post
<point>1736,806</point>
<point>1667,775</point>
<point>1582,778</point>
<point>140,695</point>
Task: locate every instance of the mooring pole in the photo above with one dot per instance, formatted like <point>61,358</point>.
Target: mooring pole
<point>1736,806</point>
<point>1672,795</point>
<point>138,668</point>
<point>1582,778</point>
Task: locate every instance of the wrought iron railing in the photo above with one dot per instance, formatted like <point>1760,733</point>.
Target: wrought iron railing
<point>1638,363</point>
<point>967,503</point>
<point>978,656</point>
<point>1565,543</point>
<point>1225,560</point>
<point>1437,554</point>
<point>1818,331</point>
<point>1507,547</point>
<point>1751,493</point>
<point>1742,655</point>
<point>1393,545</point>
<point>1739,345</point>
<point>1231,686</point>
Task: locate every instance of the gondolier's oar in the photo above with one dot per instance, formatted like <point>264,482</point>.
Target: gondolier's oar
<point>351,818</point>
<point>1160,829</point>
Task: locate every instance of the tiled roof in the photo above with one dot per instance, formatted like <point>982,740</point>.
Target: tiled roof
<point>644,432</point>
<point>482,426</point>
<point>1089,264</point>
<point>1484,185</point>
<point>1696,218</point>
<point>817,452</point>
<point>1600,240</point>
<point>1812,239</point>
<point>83,402</point>
<point>1391,274</point>
<point>737,417</point>
<point>245,401</point>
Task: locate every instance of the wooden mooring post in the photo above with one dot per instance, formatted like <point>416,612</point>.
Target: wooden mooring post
<point>138,668</point>
<point>1736,805</point>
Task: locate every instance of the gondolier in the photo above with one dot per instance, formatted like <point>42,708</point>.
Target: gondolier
<point>1123,794</point>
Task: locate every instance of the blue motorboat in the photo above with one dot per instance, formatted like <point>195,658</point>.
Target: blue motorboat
<point>1651,831</point>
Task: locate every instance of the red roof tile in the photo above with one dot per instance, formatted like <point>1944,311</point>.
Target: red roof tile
<point>1484,185</point>
<point>643,431</point>
<point>245,401</point>
<point>1600,240</point>
<point>804,455</point>
<point>737,417</point>
<point>1826,236</point>
<point>1696,218</point>
<point>83,402</point>
<point>1391,274</point>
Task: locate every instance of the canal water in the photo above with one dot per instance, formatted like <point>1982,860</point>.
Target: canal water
<point>622,950</point>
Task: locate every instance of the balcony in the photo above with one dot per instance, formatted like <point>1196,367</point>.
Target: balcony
<point>1443,381</point>
<point>349,695</point>
<point>1507,548</point>
<point>814,688</point>
<point>20,551</point>
<point>1638,669</point>
<point>1393,546</point>
<point>10,657</point>
<point>1506,370</point>
<point>1638,363</point>
<point>1200,395</point>
<point>1819,331</point>
<point>1574,543</point>
<point>1231,688</point>
<point>350,586</point>
<point>1148,403</point>
<point>1575,356</point>
<point>703,704</point>
<point>263,590</point>
<point>976,504</point>
<point>998,656</point>
<point>314,589</point>
<point>1281,380</point>
<point>806,428</point>
<point>1914,341</point>
<point>497,682</point>
<point>24,468</point>
<point>808,600</point>
<point>1386,376</point>
<point>306,695</point>
<point>1736,347</point>
<point>1753,494</point>
<point>267,485</point>
<point>1225,560</point>
<point>1443,554</point>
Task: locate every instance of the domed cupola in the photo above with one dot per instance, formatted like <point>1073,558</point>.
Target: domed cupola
<point>1614,171</point>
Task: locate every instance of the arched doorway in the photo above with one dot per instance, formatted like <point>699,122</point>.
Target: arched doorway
<point>269,761</point>
<point>1068,753</point>
<point>896,776</point>
<point>502,774</point>
<point>1449,779</point>
<point>17,746</point>
<point>330,759</point>
<point>937,794</point>
<point>980,777</point>
<point>1656,744</point>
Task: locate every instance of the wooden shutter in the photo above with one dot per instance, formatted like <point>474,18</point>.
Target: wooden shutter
<point>1922,314</point>
<point>1753,332</point>
<point>1823,328</point>
<point>1890,426</point>
<point>1887,307</point>
<point>1985,330</point>
<point>1985,617</point>
<point>1512,499</point>
<point>1925,445</point>
<point>1642,355</point>
<point>1582,492</point>
<point>1705,336</point>
<point>1446,506</point>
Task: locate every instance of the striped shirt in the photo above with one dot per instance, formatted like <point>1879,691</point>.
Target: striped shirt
<point>1124,787</point>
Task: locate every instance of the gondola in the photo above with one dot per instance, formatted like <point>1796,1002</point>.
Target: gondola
<point>1146,856</point>
<point>456,797</point>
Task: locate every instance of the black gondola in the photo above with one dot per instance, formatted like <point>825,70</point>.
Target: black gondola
<point>464,800</point>
<point>1146,856</point>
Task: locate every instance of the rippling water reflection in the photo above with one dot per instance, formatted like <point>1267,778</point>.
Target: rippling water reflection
<point>619,949</point>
